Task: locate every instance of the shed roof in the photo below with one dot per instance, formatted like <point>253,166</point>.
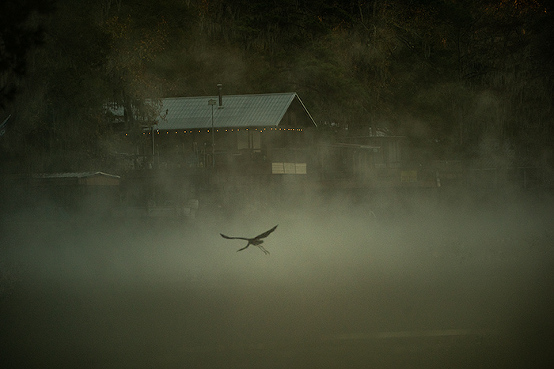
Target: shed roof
<point>77,178</point>
<point>258,110</point>
<point>75,175</point>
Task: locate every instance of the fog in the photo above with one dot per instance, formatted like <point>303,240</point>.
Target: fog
<point>379,281</point>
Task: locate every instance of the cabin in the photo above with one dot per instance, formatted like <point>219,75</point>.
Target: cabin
<point>256,134</point>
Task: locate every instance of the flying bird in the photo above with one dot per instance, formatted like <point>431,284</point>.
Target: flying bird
<point>256,241</point>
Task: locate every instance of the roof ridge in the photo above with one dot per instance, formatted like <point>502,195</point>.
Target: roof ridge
<point>226,96</point>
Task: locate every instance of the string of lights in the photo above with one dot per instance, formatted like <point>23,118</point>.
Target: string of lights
<point>192,131</point>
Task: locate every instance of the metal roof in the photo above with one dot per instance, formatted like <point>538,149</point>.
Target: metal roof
<point>260,110</point>
<point>75,175</point>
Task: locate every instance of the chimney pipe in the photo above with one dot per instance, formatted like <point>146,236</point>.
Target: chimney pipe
<point>219,87</point>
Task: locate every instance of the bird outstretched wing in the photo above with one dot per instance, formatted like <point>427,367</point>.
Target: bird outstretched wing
<point>234,238</point>
<point>266,233</point>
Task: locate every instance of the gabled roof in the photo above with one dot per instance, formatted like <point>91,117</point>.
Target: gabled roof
<point>260,110</point>
<point>77,178</point>
<point>75,175</point>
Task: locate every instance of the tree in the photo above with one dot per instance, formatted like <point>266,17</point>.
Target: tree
<point>126,69</point>
<point>21,29</point>
<point>90,57</point>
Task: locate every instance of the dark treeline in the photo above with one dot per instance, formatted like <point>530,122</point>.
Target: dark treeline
<point>448,74</point>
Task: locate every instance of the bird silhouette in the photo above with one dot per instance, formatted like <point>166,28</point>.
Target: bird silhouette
<point>256,241</point>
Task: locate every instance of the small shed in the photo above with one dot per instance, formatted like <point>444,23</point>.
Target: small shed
<point>89,191</point>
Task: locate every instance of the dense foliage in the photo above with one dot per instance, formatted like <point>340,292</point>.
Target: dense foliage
<point>451,75</point>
